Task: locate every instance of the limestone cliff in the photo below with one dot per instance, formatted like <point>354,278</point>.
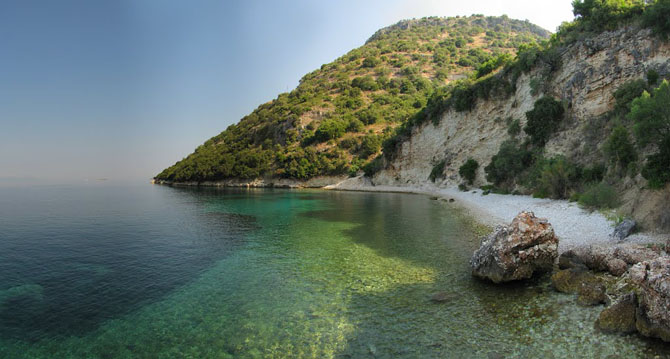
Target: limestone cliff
<point>590,71</point>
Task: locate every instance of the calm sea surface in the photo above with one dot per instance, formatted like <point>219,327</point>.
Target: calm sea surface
<point>142,271</point>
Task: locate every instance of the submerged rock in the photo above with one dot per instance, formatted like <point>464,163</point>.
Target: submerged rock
<point>590,293</point>
<point>515,252</point>
<point>619,317</point>
<point>624,229</point>
<point>653,281</point>
<point>440,297</point>
<point>570,280</point>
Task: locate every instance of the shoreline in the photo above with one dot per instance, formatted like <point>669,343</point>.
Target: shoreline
<point>573,225</point>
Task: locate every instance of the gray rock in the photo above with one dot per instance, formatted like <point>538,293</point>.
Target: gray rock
<point>624,229</point>
<point>515,252</point>
<point>653,285</point>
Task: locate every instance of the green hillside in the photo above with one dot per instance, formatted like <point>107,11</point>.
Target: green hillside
<point>337,118</point>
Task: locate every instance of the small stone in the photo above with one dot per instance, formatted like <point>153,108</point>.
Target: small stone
<point>451,200</point>
<point>591,293</point>
<point>440,297</point>
<point>571,280</point>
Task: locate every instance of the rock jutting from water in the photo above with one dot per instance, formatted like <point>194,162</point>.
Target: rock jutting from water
<point>528,245</point>
<point>653,282</point>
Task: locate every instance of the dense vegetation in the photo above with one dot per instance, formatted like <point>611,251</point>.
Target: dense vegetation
<point>335,121</point>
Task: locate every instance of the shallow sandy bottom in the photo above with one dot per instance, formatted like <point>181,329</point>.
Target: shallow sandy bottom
<point>573,225</point>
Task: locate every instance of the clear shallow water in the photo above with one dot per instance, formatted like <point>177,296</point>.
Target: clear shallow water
<point>149,271</point>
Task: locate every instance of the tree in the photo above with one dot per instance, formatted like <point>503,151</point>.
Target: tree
<point>619,148</point>
<point>543,120</point>
<point>469,170</point>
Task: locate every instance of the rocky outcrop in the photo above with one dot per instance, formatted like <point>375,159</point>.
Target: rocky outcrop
<point>590,72</point>
<point>613,259</point>
<point>652,279</point>
<point>516,251</point>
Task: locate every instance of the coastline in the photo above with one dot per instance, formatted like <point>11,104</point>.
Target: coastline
<point>573,225</point>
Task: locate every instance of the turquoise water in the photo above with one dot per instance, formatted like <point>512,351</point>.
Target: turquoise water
<point>157,272</point>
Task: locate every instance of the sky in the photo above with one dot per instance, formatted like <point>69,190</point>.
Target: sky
<point>121,89</point>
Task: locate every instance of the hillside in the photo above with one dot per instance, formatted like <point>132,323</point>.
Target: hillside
<point>335,121</point>
<point>584,118</point>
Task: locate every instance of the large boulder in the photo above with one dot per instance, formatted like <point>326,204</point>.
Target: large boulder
<point>653,282</point>
<point>516,251</point>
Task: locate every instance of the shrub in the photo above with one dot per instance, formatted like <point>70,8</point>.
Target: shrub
<point>556,178</point>
<point>543,120</point>
<point>657,168</point>
<point>468,170</point>
<point>619,148</point>
<point>437,171</point>
<point>373,166</point>
<point>507,164</point>
<point>370,145</point>
<point>651,115</point>
<point>656,17</point>
<point>330,130</point>
<point>599,195</point>
<point>355,125</point>
<point>371,62</point>
<point>365,83</point>
<point>514,128</point>
<point>626,93</point>
<point>652,77</point>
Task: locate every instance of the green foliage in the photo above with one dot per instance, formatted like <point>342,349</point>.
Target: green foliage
<point>556,177</point>
<point>493,64</point>
<point>626,93</point>
<point>514,127</point>
<point>330,130</point>
<point>373,166</point>
<point>619,148</point>
<point>468,170</point>
<point>652,77</point>
<point>656,17</point>
<point>370,145</point>
<point>438,171</point>
<point>651,115</point>
<point>365,83</point>
<point>599,195</point>
<point>543,120</point>
<point>506,165</point>
<point>379,86</point>
<point>657,168</point>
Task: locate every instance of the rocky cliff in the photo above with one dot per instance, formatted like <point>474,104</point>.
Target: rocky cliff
<point>590,72</point>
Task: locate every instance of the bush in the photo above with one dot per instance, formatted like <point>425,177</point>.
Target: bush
<point>657,168</point>
<point>437,171</point>
<point>373,166</point>
<point>355,125</point>
<point>656,17</point>
<point>626,93</point>
<point>619,148</point>
<point>507,164</point>
<point>371,62</point>
<point>652,77</point>
<point>468,170</point>
<point>514,128</point>
<point>365,83</point>
<point>651,115</point>
<point>330,130</point>
<point>370,145</point>
<point>556,178</point>
<point>543,120</point>
<point>599,195</point>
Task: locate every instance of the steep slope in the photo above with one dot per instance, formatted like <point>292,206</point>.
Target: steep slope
<point>334,122</point>
<point>593,146</point>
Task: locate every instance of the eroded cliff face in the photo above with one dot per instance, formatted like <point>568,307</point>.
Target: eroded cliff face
<point>590,72</point>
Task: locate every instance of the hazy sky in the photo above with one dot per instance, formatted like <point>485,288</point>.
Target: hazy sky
<point>120,89</point>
